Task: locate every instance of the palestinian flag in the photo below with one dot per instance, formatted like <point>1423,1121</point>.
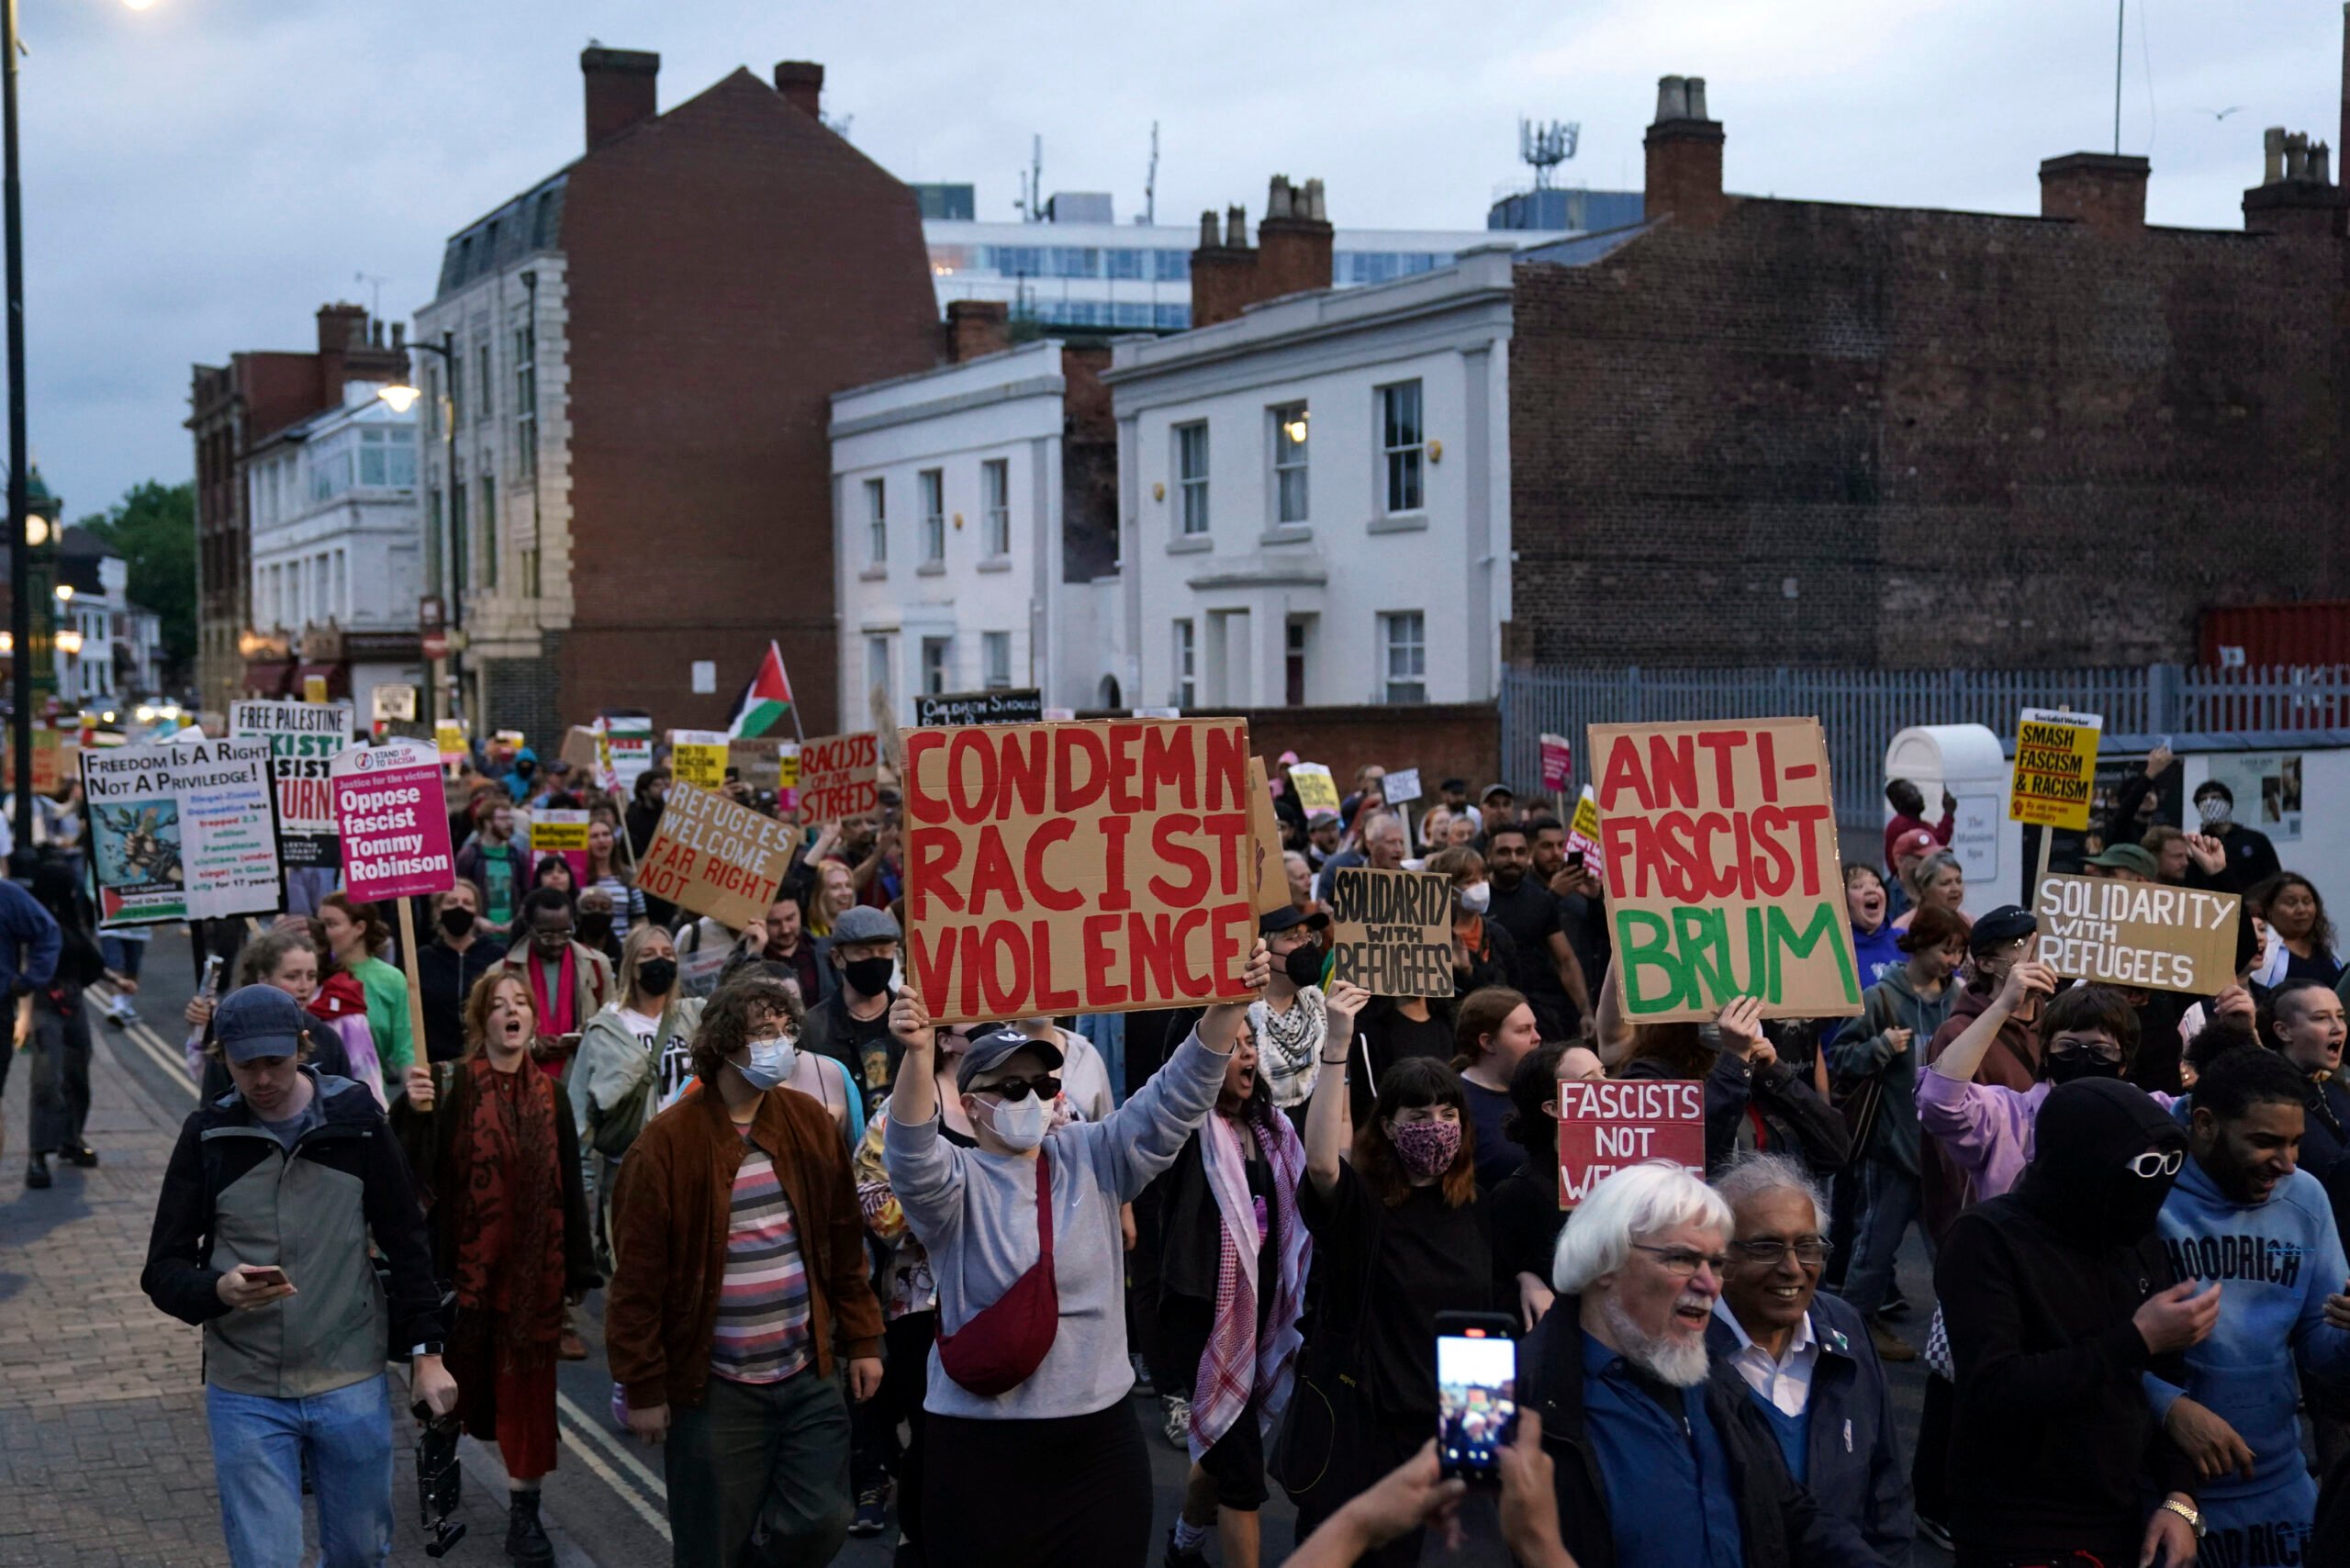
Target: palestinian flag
<point>767,701</point>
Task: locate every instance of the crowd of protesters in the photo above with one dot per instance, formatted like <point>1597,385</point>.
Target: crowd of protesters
<point>864,1272</point>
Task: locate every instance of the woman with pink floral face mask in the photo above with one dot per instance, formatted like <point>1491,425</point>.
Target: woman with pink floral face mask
<point>1402,1236</point>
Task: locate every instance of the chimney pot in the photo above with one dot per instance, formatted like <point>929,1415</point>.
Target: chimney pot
<point>622,89</point>
<point>801,82</point>
<point>1696,92</point>
<point>1672,98</point>
<point>400,337</point>
<point>2272,155</point>
<point>1236,227</point>
<point>1276,196</point>
<point>1210,236</point>
<point>2297,155</point>
<point>1314,202</point>
<point>2322,164</point>
<point>1684,156</point>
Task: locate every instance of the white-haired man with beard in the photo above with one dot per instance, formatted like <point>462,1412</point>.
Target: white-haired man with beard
<point>1660,1460</point>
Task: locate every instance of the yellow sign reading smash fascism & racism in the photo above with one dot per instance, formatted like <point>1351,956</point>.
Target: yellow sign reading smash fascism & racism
<point>2055,768</point>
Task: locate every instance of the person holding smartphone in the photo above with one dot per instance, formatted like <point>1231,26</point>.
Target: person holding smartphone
<point>261,1232</point>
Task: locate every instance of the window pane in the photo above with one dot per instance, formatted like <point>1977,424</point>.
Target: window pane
<point>995,484</point>
<point>876,521</point>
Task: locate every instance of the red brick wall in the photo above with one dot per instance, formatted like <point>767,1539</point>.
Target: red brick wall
<point>732,265</point>
<point>1964,440</point>
<point>1459,740</point>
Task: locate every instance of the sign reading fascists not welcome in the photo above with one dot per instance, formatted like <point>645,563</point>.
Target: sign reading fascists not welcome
<point>1077,868</point>
<point>1603,1127</point>
<point>1391,931</point>
<point>715,857</point>
<point>2138,934</point>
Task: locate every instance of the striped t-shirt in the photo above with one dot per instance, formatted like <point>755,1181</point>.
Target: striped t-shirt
<point>762,1333</point>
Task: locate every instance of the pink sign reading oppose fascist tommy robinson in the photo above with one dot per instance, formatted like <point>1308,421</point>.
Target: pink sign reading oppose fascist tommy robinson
<point>393,820</point>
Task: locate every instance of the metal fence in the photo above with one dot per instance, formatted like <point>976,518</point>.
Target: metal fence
<point>1863,709</point>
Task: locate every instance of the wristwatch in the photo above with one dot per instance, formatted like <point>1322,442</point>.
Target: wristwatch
<point>2187,1511</point>
<point>430,1347</point>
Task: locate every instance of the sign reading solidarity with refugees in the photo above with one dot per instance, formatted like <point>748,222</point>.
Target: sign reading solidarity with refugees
<point>1317,790</point>
<point>182,831</point>
<point>1079,868</point>
<point>2138,934</point>
<point>1264,828</point>
<point>950,709</point>
<point>715,857</point>
<point>1606,1126</point>
<point>839,776</point>
<point>698,757</point>
<point>393,818</point>
<point>304,739</point>
<point>2055,768</point>
<point>1722,872</point>
<point>1391,931</point>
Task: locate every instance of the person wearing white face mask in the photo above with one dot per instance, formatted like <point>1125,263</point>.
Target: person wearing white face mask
<point>1085,1078</point>
<point>1482,953</point>
<point>1028,1425</point>
<point>740,1283</point>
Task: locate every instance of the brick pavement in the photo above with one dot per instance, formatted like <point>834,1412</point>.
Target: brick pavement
<point>105,1458</point>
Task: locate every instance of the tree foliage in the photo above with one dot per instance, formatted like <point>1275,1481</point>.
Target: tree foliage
<point>153,526</point>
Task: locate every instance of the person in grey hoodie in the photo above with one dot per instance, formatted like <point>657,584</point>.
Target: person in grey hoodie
<point>1899,1015</point>
<point>1028,1421</point>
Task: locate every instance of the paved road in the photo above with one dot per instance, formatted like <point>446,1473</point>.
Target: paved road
<point>104,1454</point>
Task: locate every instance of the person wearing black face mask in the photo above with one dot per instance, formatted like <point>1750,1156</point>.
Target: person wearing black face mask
<point>457,955</point>
<point>852,1025</point>
<point>2058,1297</point>
<point>1289,1024</point>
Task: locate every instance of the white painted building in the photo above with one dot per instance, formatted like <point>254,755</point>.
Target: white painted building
<point>337,545</point>
<point>1314,496</point>
<point>109,651</point>
<point>973,534</point>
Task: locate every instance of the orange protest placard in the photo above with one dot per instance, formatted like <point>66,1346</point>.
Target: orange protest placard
<point>715,857</point>
<point>1077,868</point>
<point>838,776</point>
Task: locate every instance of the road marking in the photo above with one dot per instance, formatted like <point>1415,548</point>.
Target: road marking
<point>147,1040</point>
<point>585,1426</point>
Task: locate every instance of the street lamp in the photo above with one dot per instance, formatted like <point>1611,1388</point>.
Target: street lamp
<point>400,396</point>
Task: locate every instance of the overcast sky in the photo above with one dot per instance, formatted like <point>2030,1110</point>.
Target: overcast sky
<point>201,175</point>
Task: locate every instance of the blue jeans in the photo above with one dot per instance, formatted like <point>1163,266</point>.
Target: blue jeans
<point>258,1447</point>
<point>1889,1198</point>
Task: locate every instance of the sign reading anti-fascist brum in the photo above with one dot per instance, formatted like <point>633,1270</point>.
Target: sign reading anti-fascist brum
<point>1605,1126</point>
<point>1077,868</point>
<point>1722,872</point>
<point>2138,934</point>
<point>182,830</point>
<point>393,818</point>
<point>304,738</point>
<point>2055,768</point>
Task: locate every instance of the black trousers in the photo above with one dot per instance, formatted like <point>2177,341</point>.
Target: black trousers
<point>1072,1492</point>
<point>1364,1448</point>
<point>59,1050</point>
<point>905,1383</point>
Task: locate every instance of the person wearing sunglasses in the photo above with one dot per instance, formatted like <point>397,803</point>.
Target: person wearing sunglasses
<point>1659,1453</point>
<point>1034,1457</point>
<point>1807,1359</point>
<point>2060,1299</point>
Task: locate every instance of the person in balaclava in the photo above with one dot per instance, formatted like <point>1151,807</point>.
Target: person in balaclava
<point>2251,859</point>
<point>2059,1298</point>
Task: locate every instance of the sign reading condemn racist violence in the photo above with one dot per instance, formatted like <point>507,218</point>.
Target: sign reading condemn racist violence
<point>838,776</point>
<point>1606,1126</point>
<point>393,817</point>
<point>1391,931</point>
<point>2138,934</point>
<point>304,738</point>
<point>715,857</point>
<point>1722,875</point>
<point>1077,868</point>
<point>2055,768</point>
<point>182,831</point>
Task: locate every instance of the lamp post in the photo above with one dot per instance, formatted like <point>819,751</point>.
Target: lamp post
<point>402,397</point>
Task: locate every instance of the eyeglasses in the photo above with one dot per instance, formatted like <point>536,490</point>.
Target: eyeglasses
<point>1809,1250</point>
<point>2099,1052</point>
<point>1015,1090</point>
<point>1683,1263</point>
<point>2155,1162</point>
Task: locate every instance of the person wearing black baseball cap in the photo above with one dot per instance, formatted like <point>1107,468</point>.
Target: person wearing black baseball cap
<point>1288,1025</point>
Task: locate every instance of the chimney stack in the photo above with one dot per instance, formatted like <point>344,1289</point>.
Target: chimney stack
<point>1293,253</point>
<point>1684,156</point>
<point>2296,194</point>
<point>621,86</point>
<point>977,327</point>
<point>801,82</point>
<point>2103,192</point>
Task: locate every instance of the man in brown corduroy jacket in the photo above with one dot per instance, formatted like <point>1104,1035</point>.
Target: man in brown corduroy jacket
<point>740,1276</point>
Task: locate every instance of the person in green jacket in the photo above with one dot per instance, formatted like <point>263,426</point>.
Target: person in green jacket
<point>355,933</point>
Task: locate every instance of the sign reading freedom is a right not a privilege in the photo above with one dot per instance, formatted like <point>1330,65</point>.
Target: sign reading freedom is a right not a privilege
<point>1077,868</point>
<point>1391,931</point>
<point>393,818</point>
<point>1722,872</point>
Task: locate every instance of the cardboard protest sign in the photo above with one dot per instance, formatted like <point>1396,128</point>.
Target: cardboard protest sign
<point>393,818</point>
<point>1722,873</point>
<point>1317,790</point>
<point>1270,873</point>
<point>1582,834</point>
<point>554,831</point>
<point>627,750</point>
<point>955,708</point>
<point>715,857</point>
<point>1400,787</point>
<point>1391,931</point>
<point>392,702</point>
<point>2055,768</point>
<point>1558,762</point>
<point>1081,868</point>
<point>304,739</point>
<point>2138,934</point>
<point>182,831</point>
<point>1606,1126</point>
<point>838,776</point>
<point>697,757</point>
<point>765,763</point>
<point>579,748</point>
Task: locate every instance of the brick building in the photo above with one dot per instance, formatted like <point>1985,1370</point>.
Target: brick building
<point>233,408</point>
<point>644,349</point>
<point>1759,432</point>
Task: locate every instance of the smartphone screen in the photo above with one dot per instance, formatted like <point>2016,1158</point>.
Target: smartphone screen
<point>1476,1383</point>
<point>267,1276</point>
